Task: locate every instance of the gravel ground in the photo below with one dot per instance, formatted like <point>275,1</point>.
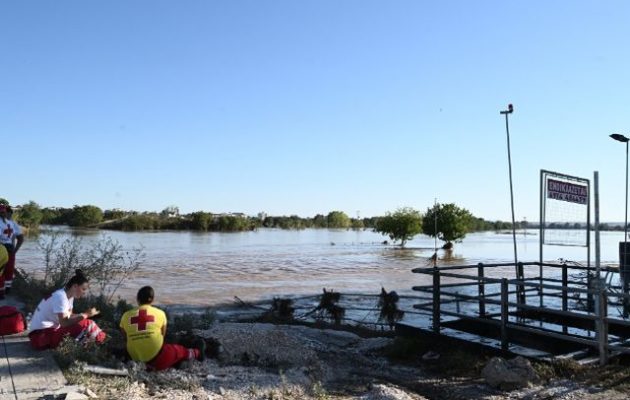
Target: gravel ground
<point>269,362</point>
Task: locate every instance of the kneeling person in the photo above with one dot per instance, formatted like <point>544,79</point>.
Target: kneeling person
<point>144,328</point>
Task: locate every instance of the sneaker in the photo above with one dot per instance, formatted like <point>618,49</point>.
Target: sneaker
<point>200,345</point>
<point>213,348</point>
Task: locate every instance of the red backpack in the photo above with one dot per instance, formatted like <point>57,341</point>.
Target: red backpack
<point>11,321</point>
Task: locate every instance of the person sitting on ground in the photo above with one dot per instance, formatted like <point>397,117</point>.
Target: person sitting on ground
<point>144,328</point>
<point>53,319</point>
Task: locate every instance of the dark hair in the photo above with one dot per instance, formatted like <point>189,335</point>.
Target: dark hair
<point>145,295</point>
<point>77,279</point>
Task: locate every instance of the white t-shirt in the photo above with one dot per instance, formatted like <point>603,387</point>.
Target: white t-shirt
<point>6,231</point>
<point>45,316</point>
<point>17,231</point>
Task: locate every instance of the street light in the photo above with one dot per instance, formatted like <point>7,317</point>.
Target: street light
<point>518,269</point>
<point>621,138</point>
<point>507,112</point>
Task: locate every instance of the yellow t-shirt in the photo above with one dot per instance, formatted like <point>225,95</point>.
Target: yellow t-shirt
<point>4,257</point>
<point>143,326</point>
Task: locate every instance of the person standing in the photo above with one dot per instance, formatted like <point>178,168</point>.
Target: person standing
<point>6,240</point>
<point>54,317</point>
<point>17,238</point>
<point>144,328</point>
<point>4,258</point>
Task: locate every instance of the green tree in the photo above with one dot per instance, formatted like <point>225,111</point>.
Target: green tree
<point>357,223</point>
<point>319,221</point>
<point>453,223</point>
<point>30,215</point>
<point>113,214</point>
<point>200,221</point>
<point>85,216</point>
<point>338,219</point>
<point>403,224</point>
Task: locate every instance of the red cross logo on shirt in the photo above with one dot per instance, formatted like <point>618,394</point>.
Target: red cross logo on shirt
<point>142,319</point>
<point>8,231</point>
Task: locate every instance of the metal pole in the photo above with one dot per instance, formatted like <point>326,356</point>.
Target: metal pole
<point>435,209</point>
<point>507,131</point>
<point>597,237</point>
<point>481,290</point>
<point>541,232</point>
<point>622,271</point>
<point>625,234</point>
<point>504,314</point>
<point>601,303</point>
<point>519,275</point>
<point>436,300</point>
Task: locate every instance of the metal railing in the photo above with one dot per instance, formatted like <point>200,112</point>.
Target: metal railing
<point>514,298</point>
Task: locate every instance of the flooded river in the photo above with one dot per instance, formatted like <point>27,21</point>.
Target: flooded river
<point>210,268</point>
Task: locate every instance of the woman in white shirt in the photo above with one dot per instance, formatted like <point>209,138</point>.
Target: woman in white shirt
<point>53,319</point>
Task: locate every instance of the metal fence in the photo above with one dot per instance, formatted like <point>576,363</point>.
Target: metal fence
<point>571,304</point>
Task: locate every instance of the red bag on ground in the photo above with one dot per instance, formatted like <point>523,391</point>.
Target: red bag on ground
<point>11,321</point>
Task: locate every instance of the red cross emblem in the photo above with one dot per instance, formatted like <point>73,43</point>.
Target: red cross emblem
<point>142,319</point>
<point>8,231</point>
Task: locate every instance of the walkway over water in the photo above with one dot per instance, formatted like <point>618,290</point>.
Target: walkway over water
<point>552,309</point>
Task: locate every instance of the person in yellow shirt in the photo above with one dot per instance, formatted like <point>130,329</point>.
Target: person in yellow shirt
<point>144,328</point>
<point>4,259</point>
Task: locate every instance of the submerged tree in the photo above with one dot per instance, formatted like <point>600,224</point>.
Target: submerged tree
<point>448,222</point>
<point>83,216</point>
<point>401,225</point>
<point>338,219</point>
<point>30,215</point>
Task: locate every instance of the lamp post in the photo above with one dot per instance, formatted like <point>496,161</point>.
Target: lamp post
<point>621,138</point>
<point>519,274</point>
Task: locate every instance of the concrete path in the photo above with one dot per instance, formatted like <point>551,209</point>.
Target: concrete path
<point>27,374</point>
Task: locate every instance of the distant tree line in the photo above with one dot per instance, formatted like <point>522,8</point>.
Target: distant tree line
<point>31,215</point>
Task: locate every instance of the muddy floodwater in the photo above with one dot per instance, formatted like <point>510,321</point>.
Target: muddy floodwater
<point>211,268</point>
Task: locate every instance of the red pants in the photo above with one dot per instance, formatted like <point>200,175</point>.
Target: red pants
<point>2,269</point>
<point>50,338</point>
<point>9,270</point>
<point>170,355</point>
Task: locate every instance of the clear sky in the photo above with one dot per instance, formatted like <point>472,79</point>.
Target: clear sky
<point>303,107</point>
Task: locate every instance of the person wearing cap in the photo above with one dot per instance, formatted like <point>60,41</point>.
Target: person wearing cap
<point>17,238</point>
<point>144,328</point>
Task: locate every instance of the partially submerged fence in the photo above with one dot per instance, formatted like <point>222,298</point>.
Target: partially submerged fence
<point>558,305</point>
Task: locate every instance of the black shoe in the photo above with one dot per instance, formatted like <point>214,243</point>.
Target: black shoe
<point>200,345</point>
<point>213,348</point>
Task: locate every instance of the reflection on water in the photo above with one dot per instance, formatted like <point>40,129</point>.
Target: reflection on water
<point>208,268</point>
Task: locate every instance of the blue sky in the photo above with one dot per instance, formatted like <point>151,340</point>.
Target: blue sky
<point>306,107</point>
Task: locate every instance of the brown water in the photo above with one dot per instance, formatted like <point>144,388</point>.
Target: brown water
<point>210,268</point>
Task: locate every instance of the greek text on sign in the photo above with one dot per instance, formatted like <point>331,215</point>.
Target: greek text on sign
<point>566,191</point>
